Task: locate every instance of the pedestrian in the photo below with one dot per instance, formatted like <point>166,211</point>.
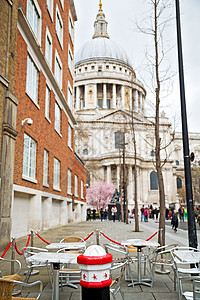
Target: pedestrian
<point>142,213</point>
<point>113,212</point>
<point>145,214</point>
<point>88,214</point>
<point>105,214</point>
<point>175,221</point>
<point>94,214</point>
<point>101,214</point>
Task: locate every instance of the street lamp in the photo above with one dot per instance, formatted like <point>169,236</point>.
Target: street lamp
<point>188,180</point>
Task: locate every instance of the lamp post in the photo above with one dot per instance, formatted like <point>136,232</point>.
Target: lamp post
<point>188,179</point>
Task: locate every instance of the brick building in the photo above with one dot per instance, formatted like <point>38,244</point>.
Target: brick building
<point>49,177</point>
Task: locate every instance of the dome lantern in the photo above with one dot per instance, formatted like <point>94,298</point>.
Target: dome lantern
<point>100,25</point>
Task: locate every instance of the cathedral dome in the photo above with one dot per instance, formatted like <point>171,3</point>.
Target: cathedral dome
<point>101,48</point>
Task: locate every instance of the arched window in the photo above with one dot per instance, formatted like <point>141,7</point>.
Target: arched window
<point>153,181</point>
<point>85,151</point>
<point>179,183</point>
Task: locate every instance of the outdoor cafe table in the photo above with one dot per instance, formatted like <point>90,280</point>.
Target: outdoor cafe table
<point>73,246</point>
<point>139,244</point>
<point>55,259</point>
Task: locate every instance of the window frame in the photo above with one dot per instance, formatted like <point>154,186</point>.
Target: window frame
<point>70,95</point>
<point>47,103</point>
<point>57,124</point>
<point>71,27</point>
<point>26,175</point>
<point>46,168</point>
<point>76,185</point>
<point>57,59</point>
<point>50,9</point>
<point>56,174</point>
<point>69,182</point>
<point>31,68</point>
<point>48,36</point>
<point>69,136</point>
<point>59,29</point>
<point>70,60</point>
<point>38,10</point>
<point>82,189</point>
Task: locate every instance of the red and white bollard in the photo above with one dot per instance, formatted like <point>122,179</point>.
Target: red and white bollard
<point>95,264</point>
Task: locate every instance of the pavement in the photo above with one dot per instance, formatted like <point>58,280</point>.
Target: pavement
<point>118,231</point>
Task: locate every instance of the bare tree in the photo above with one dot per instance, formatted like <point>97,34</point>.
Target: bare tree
<point>155,26</point>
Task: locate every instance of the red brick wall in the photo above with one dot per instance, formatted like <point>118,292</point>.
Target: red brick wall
<point>41,130</point>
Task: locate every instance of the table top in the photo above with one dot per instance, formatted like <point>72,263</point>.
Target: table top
<point>74,245</point>
<point>53,257</point>
<point>139,243</point>
<point>186,256</point>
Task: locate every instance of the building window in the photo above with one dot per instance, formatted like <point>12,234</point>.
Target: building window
<point>108,103</point>
<point>45,167</point>
<point>114,67</point>
<point>119,139</point>
<point>29,157</point>
<point>153,181</point>
<point>56,174</point>
<point>153,153</point>
<point>70,60</point>
<point>92,67</point>
<point>47,102</point>
<point>69,182</point>
<point>85,151</point>
<point>48,52</point>
<point>34,17</point>
<point>76,186</point>
<point>50,8</point>
<point>59,27</point>
<point>177,163</point>
<point>107,67</point>
<point>100,103</point>
<point>69,95</point>
<point>32,80</point>
<point>82,194</point>
<point>58,69</point>
<point>69,136</point>
<point>71,27</point>
<point>57,118</point>
<point>179,183</point>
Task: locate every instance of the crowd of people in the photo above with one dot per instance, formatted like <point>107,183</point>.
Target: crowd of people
<point>92,214</point>
<point>149,213</point>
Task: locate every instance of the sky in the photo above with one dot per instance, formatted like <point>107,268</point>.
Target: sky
<point>121,17</point>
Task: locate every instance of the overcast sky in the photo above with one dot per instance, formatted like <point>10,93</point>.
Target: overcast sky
<point>121,17</point>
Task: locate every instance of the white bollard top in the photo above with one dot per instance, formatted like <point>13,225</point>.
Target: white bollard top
<point>95,250</point>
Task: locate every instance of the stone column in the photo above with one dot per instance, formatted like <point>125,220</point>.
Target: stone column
<point>35,206</point>
<point>109,174</point>
<point>104,95</point>
<point>86,95</point>
<point>130,185</point>
<point>131,104</point>
<point>123,96</point>
<point>136,100</point>
<point>77,97</point>
<point>143,103</point>
<point>46,211</point>
<point>95,96</point>
<point>139,101</point>
<point>114,95</point>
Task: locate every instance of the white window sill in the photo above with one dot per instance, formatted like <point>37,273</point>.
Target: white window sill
<point>76,196</point>
<point>29,179</point>
<point>33,101</point>
<point>48,119</point>
<point>46,185</point>
<point>58,132</point>
<point>70,148</point>
<point>57,189</point>
<point>82,198</point>
<point>69,193</point>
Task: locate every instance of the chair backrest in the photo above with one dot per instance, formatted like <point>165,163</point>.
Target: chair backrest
<point>196,289</point>
<point>6,286</point>
<point>185,255</point>
<point>14,261</point>
<point>71,239</point>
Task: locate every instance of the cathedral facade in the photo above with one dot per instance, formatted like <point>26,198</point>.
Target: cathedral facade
<point>109,103</point>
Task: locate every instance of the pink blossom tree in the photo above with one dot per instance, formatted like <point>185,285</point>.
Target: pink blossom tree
<point>99,194</point>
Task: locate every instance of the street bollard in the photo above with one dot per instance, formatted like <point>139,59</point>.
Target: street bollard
<point>13,256</point>
<point>95,265</point>
<point>97,236</point>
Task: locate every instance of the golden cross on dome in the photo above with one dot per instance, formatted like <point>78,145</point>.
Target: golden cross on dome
<point>100,5</point>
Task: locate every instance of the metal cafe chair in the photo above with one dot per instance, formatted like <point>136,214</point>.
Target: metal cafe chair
<point>186,260</point>
<point>118,249</point>
<point>161,256</point>
<point>6,286</point>
<point>115,286</point>
<point>16,263</point>
<point>27,252</point>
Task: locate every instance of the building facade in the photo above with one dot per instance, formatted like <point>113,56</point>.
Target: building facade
<point>108,100</point>
<point>49,181</point>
